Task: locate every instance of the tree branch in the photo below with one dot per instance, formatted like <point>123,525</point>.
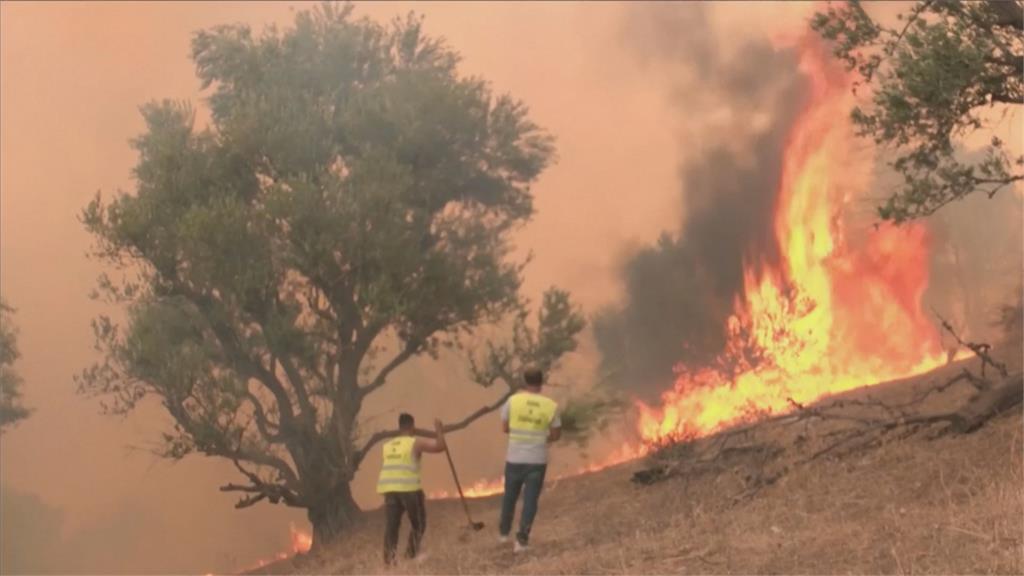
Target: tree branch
<point>980,350</point>
<point>298,385</point>
<point>1011,61</point>
<point>246,366</point>
<point>915,13</point>
<point>766,439</point>
<point>469,419</point>
<point>263,423</point>
<point>294,377</point>
<point>259,490</point>
<point>1007,13</point>
<point>410,350</point>
<point>1007,98</point>
<point>220,444</point>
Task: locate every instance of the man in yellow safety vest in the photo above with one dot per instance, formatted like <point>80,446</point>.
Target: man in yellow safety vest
<point>531,421</point>
<point>399,482</point>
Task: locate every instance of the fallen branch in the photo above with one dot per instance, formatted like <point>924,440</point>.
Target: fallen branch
<point>876,422</point>
<point>980,350</point>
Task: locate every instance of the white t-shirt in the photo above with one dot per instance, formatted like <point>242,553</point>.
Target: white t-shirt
<point>528,453</point>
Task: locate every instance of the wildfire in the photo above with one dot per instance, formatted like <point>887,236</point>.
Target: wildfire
<point>834,315</point>
<point>301,542</point>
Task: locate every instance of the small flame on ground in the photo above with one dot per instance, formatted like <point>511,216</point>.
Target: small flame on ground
<point>485,488</point>
<point>301,542</point>
<point>479,489</point>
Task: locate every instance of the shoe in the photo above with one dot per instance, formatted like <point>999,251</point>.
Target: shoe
<point>503,538</point>
<point>420,558</point>
<point>519,548</point>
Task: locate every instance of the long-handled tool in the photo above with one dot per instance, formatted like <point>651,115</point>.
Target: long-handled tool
<point>473,525</point>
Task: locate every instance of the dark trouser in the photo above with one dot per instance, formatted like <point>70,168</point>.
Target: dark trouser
<point>395,504</point>
<point>516,477</point>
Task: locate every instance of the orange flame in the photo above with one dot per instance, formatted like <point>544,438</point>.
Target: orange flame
<point>835,314</point>
<point>301,542</point>
<point>485,488</point>
<point>479,489</point>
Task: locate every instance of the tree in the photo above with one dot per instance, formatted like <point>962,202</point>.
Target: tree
<point>352,198</point>
<point>933,78</point>
<point>11,408</point>
<point>975,262</point>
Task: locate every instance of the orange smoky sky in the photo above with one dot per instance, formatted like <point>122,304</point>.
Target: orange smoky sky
<point>73,77</point>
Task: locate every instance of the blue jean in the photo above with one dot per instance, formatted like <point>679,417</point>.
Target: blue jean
<point>518,476</point>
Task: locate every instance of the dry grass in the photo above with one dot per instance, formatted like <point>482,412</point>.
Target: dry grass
<point>953,505</point>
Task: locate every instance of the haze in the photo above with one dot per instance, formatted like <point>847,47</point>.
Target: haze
<point>76,496</point>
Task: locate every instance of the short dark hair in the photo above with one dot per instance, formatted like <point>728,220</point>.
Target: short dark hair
<point>533,376</point>
<point>405,420</point>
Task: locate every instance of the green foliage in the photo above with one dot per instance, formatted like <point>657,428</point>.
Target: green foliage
<point>592,412</point>
<point>931,79</point>
<point>558,324</point>
<point>11,408</point>
<point>353,197</point>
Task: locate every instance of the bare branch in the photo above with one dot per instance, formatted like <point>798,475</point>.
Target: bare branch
<point>764,441</point>
<point>295,379</point>
<point>410,350</point>
<point>259,490</point>
<point>246,501</point>
<point>221,445</point>
<point>263,424</point>
<point>980,350</point>
<point>469,419</point>
<point>915,14</point>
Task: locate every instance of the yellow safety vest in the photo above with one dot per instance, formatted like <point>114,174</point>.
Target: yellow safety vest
<point>529,418</point>
<point>399,470</point>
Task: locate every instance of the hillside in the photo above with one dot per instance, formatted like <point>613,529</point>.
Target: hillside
<point>951,504</point>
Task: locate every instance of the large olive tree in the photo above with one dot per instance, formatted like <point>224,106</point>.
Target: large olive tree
<point>347,209</point>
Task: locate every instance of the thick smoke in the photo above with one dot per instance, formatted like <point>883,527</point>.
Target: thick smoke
<point>977,251</point>
<point>735,113</point>
<point>90,507</point>
<point>735,103</point>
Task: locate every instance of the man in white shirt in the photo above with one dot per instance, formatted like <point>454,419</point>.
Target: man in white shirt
<point>531,421</point>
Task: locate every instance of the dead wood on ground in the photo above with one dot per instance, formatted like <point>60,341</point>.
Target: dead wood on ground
<point>761,453</point>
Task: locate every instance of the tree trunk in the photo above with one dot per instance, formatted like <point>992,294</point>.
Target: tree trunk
<point>337,512</point>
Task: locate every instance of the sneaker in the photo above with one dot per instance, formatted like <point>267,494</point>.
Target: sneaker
<point>503,538</point>
<point>519,548</point>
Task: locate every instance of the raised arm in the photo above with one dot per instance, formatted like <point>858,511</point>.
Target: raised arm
<point>438,444</point>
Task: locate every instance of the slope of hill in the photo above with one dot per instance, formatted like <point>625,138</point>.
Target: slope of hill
<point>952,504</point>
